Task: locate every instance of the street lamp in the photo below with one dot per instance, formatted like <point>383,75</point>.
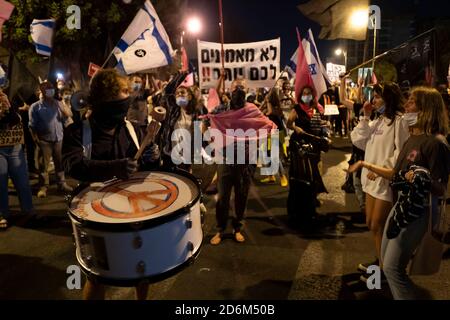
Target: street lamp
<point>338,52</point>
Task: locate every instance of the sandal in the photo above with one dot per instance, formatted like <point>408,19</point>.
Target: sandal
<point>3,223</point>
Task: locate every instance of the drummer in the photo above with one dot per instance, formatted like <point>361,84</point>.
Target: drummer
<point>111,148</point>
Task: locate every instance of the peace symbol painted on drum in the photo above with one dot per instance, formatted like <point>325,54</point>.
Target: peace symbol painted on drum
<point>139,203</point>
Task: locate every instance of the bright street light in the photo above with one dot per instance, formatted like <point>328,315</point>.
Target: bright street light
<point>338,52</point>
<point>194,25</point>
<point>360,18</point>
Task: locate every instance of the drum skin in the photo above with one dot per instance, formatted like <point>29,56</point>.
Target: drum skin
<point>149,239</point>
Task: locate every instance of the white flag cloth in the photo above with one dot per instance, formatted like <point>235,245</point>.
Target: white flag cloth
<point>318,72</point>
<point>42,35</point>
<point>145,44</point>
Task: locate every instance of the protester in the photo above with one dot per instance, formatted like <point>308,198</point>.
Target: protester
<point>382,140</point>
<point>239,115</point>
<point>275,114</point>
<point>182,114</point>
<point>307,143</point>
<point>425,152</point>
<point>113,148</point>
<point>12,162</point>
<point>46,124</point>
<point>138,112</point>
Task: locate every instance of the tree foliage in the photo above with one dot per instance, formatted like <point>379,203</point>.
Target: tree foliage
<point>102,24</point>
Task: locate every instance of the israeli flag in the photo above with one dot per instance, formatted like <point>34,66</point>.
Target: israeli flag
<point>42,35</point>
<point>292,64</point>
<point>318,72</point>
<point>145,44</point>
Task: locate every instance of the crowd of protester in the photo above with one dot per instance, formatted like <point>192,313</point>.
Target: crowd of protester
<point>396,134</point>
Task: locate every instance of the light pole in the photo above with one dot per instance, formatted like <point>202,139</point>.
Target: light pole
<point>339,52</point>
<point>374,24</point>
<point>193,26</point>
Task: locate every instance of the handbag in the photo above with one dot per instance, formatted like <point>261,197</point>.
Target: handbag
<point>428,256</point>
<point>441,222</point>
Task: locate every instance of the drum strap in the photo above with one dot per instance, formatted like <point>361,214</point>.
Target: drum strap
<point>87,137</point>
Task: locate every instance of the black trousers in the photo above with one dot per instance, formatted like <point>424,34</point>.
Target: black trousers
<point>228,177</point>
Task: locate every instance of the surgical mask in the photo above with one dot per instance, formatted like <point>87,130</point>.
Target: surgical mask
<point>66,96</point>
<point>381,109</point>
<point>307,99</point>
<point>112,113</point>
<point>50,93</point>
<point>182,102</point>
<point>411,118</point>
<point>137,86</point>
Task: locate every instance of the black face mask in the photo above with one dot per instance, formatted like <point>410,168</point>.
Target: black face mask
<point>237,99</point>
<point>111,113</point>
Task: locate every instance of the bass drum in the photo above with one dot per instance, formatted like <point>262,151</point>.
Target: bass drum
<point>146,228</point>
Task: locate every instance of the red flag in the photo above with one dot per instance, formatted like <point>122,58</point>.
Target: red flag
<point>188,82</point>
<point>374,78</point>
<point>184,60</point>
<point>303,73</point>
<point>6,9</point>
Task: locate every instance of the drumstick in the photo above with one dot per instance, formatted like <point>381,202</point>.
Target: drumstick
<point>152,131</point>
<point>158,114</point>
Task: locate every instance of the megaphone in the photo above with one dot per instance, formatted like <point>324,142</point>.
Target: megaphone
<point>79,100</point>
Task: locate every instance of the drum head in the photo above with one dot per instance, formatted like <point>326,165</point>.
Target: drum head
<point>147,195</point>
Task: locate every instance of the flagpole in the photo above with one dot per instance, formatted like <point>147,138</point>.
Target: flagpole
<point>222,40</point>
<point>50,59</point>
<point>389,51</point>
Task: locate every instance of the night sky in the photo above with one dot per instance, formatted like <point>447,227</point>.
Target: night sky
<point>256,20</point>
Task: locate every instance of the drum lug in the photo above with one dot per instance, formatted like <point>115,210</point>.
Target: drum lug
<point>137,242</point>
<point>89,261</point>
<point>189,223</point>
<point>140,268</point>
<point>190,246</point>
<point>84,239</point>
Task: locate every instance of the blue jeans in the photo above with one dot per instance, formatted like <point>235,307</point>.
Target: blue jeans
<point>13,164</point>
<point>396,254</point>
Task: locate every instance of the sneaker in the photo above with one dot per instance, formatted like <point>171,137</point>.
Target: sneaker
<point>64,187</point>
<point>42,193</point>
<point>239,237</point>
<point>216,239</point>
<point>362,267</point>
<point>269,179</point>
<point>284,181</point>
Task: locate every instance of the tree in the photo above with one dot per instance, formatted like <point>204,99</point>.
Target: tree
<point>102,24</point>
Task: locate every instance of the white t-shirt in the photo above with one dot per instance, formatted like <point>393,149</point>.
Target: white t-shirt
<point>382,144</point>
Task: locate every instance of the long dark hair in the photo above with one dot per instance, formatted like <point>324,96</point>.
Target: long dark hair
<point>393,99</point>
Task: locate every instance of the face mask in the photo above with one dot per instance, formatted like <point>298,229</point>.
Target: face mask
<point>411,118</point>
<point>137,86</point>
<point>238,99</point>
<point>66,96</point>
<point>381,109</point>
<point>112,113</point>
<point>182,102</point>
<point>307,99</point>
<point>50,93</point>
